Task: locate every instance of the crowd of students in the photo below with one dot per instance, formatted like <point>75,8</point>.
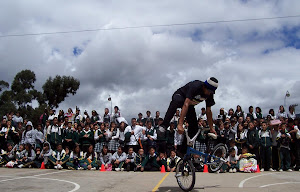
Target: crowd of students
<point>86,142</point>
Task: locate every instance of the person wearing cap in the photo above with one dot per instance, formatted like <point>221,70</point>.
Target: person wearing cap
<point>186,98</point>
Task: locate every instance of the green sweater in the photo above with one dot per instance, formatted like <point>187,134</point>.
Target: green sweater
<point>151,160</point>
<point>252,138</point>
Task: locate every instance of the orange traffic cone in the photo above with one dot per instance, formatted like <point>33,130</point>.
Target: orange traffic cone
<point>163,169</point>
<point>205,169</point>
<point>43,166</point>
<point>102,168</point>
<point>257,169</point>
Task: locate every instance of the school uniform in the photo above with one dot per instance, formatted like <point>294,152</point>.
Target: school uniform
<point>76,161</point>
<point>178,141</point>
<point>59,156</point>
<point>161,142</point>
<point>240,140</point>
<point>172,162</point>
<point>54,135</point>
<point>39,138</point>
<point>265,148</point>
<point>86,141</point>
<point>284,150</point>
<point>231,160</point>
<point>106,160</point>
<point>92,159</point>
<point>170,140</point>
<point>120,136</point>
<point>120,157</point>
<point>100,141</point>
<point>275,150</point>
<point>44,158</point>
<point>200,144</point>
<point>253,139</point>
<point>138,160</point>
<point>113,143</point>
<point>68,134</point>
<point>106,118</point>
<point>130,165</point>
<point>148,142</point>
<point>30,158</point>
<point>150,163</point>
<point>133,140</point>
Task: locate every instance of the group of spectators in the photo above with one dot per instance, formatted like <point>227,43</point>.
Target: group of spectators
<point>91,141</point>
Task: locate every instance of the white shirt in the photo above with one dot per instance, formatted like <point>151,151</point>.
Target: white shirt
<point>137,134</point>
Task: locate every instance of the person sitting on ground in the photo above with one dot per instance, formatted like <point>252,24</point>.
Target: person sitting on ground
<point>118,159</point>
<point>106,158</point>
<point>129,162</point>
<point>172,161</point>
<point>91,159</point>
<point>76,161</point>
<point>27,156</point>
<point>140,157</point>
<point>59,157</point>
<point>150,162</point>
<point>161,159</point>
<point>232,161</point>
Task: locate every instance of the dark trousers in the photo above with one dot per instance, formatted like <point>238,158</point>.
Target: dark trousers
<point>285,158</point>
<point>265,155</point>
<point>161,146</point>
<point>275,158</point>
<point>191,117</point>
<point>298,154</point>
<point>150,167</point>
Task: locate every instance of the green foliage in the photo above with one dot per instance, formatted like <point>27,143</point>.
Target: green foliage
<point>57,89</point>
<point>22,93</point>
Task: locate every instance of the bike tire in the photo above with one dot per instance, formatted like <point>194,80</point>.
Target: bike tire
<point>185,175</point>
<point>219,151</point>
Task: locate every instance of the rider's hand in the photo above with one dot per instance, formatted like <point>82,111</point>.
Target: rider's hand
<point>180,129</point>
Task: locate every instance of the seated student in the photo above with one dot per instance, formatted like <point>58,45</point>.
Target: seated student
<point>6,155</point>
<point>44,155</point>
<point>162,160</point>
<point>247,163</point>
<point>172,161</point>
<point>232,161</point>
<point>27,157</point>
<point>91,159</point>
<point>106,158</point>
<point>17,154</point>
<point>77,161</point>
<point>118,159</point>
<point>150,162</point>
<point>58,157</point>
<point>265,137</point>
<point>284,140</point>
<point>86,138</point>
<point>129,162</point>
<point>140,157</point>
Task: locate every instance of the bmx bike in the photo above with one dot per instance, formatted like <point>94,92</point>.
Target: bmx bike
<point>185,170</point>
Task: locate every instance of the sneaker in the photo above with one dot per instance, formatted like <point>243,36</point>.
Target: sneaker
<point>80,168</point>
<point>55,167</point>
<point>289,170</point>
<point>20,166</point>
<point>280,170</point>
<point>122,169</point>
<point>117,169</point>
<point>271,169</point>
<point>93,169</point>
<point>59,167</point>
<point>262,170</point>
<point>217,172</point>
<point>230,170</point>
<point>234,170</point>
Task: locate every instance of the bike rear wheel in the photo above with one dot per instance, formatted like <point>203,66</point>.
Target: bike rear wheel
<point>185,175</point>
<point>217,157</point>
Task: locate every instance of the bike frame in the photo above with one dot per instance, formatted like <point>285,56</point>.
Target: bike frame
<point>191,150</point>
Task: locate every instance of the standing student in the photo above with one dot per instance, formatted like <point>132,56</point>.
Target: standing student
<point>265,137</point>
<point>284,140</point>
<point>253,141</point>
<point>113,143</point>
<point>275,145</point>
<point>150,136</point>
<point>133,135</point>
<point>69,136</point>
<point>240,138</point>
<point>54,133</point>
<point>101,137</point>
<point>161,142</point>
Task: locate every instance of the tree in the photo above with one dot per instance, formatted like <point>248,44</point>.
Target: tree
<point>57,89</point>
<point>3,84</point>
<point>22,88</point>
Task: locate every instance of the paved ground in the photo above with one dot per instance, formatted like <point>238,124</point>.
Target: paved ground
<point>36,180</point>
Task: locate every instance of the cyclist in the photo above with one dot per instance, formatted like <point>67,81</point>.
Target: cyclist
<point>186,98</point>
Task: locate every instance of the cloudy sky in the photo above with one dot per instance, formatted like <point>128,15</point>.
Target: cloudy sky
<point>256,62</point>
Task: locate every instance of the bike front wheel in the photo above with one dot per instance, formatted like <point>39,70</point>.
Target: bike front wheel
<point>217,157</point>
<point>185,175</point>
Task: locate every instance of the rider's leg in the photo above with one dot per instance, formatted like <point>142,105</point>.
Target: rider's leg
<point>191,118</point>
<point>177,102</point>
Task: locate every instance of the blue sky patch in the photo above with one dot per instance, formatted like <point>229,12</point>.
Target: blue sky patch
<point>77,51</point>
